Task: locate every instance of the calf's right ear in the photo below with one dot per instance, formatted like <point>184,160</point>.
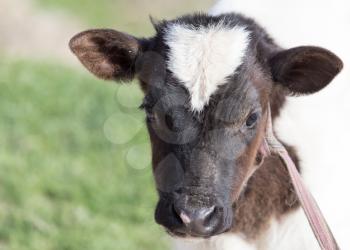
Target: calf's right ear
<point>306,69</point>
<point>108,54</point>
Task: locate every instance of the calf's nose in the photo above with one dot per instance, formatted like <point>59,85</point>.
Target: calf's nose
<point>199,222</point>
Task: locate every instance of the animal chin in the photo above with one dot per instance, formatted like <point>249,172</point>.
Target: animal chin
<point>190,238</point>
<point>185,237</point>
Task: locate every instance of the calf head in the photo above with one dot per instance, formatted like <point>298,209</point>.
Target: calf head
<point>208,82</point>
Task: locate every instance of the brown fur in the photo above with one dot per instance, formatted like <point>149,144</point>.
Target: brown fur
<point>269,193</point>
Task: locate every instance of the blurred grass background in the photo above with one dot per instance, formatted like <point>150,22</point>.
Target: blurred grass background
<point>132,15</point>
<point>74,159</point>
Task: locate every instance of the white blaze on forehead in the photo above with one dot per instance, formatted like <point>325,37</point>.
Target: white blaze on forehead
<point>203,58</point>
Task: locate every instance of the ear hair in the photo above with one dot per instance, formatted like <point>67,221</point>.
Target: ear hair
<point>304,70</point>
<point>154,21</point>
<point>107,53</point>
<point>157,24</point>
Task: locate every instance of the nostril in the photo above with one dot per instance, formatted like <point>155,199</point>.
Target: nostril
<point>185,219</point>
<point>184,216</point>
<point>208,214</point>
<point>177,214</point>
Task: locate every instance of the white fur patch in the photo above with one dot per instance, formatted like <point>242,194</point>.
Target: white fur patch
<point>290,232</point>
<point>228,241</point>
<point>203,58</point>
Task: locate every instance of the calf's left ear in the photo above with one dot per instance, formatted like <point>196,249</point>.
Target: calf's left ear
<point>108,54</point>
<point>304,70</point>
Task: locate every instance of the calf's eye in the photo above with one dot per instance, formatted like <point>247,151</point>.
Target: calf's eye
<point>252,119</point>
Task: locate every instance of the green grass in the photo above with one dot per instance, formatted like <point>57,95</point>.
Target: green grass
<point>102,12</point>
<point>126,15</point>
<point>63,183</point>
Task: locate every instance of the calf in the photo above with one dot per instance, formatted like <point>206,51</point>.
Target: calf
<point>208,83</point>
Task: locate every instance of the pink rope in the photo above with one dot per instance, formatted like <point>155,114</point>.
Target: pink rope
<point>312,211</point>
